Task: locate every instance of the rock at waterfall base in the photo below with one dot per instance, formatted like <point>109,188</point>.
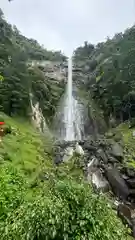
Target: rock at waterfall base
<point>92,165</point>
<point>102,155</point>
<point>131,182</point>
<point>127,214</point>
<point>79,150</point>
<point>117,183</point>
<point>88,146</point>
<point>68,154</point>
<point>117,151</point>
<point>99,181</point>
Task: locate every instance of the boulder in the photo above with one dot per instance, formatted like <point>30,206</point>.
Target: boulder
<point>131,182</point>
<point>117,183</point>
<point>81,142</point>
<point>130,172</point>
<point>58,154</point>
<point>68,154</point>
<point>112,159</point>
<point>79,150</point>
<point>132,195</point>
<point>58,159</point>
<point>117,151</point>
<point>89,147</point>
<point>92,165</point>
<point>99,181</point>
<point>102,155</point>
<point>102,142</point>
<point>125,177</point>
<point>127,213</point>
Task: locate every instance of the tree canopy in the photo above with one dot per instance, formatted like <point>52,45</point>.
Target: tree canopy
<point>18,79</point>
<point>111,73</point>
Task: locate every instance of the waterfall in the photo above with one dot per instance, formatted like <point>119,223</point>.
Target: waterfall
<point>69,119</point>
<point>69,108</point>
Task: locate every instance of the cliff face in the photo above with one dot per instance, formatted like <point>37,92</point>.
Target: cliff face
<point>54,70</point>
<point>95,122</point>
<point>107,71</point>
<point>26,67</point>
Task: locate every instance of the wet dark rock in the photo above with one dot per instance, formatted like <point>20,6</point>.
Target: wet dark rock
<point>124,212</point>
<point>91,167</point>
<point>81,143</point>
<point>132,195</point>
<point>89,147</point>
<point>58,154</point>
<point>93,164</point>
<point>102,142</point>
<point>64,144</point>
<point>58,159</point>
<point>127,213</point>
<point>68,154</point>
<point>112,159</point>
<point>99,181</point>
<point>125,177</point>
<point>130,172</point>
<point>102,155</point>
<point>117,151</point>
<point>131,182</point>
<point>117,183</point>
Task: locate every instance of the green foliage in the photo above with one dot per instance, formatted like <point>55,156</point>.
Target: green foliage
<point>11,190</point>
<point>47,93</point>
<point>70,211</point>
<point>85,52</point>
<point>22,147</point>
<point>111,81</point>
<point>1,78</point>
<point>58,206</point>
<point>129,143</point>
<point>19,80</point>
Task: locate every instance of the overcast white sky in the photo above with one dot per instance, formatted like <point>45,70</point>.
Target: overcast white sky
<point>66,24</point>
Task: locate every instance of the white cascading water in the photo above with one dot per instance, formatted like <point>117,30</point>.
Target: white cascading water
<point>69,108</point>
<point>68,122</point>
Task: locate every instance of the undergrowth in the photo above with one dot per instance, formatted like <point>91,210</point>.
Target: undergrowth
<point>39,201</point>
<point>128,142</point>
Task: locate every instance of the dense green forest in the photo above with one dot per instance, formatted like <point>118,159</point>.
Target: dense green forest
<point>109,68</point>
<point>18,79</point>
<point>39,200</point>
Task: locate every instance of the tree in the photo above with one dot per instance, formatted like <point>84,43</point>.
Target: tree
<point>15,52</point>
<point>112,64</point>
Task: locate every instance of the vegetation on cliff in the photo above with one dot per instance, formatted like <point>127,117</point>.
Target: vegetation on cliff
<point>18,80</point>
<point>109,72</point>
<point>39,200</point>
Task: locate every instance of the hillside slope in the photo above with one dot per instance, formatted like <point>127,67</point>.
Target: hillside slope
<point>19,77</point>
<point>43,201</point>
<point>108,71</point>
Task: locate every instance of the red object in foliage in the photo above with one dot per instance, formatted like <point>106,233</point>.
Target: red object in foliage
<point>2,123</point>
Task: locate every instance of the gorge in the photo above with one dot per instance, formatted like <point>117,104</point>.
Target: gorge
<point>53,108</point>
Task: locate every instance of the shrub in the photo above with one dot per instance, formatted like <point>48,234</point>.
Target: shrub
<point>69,211</point>
<point>11,191</point>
